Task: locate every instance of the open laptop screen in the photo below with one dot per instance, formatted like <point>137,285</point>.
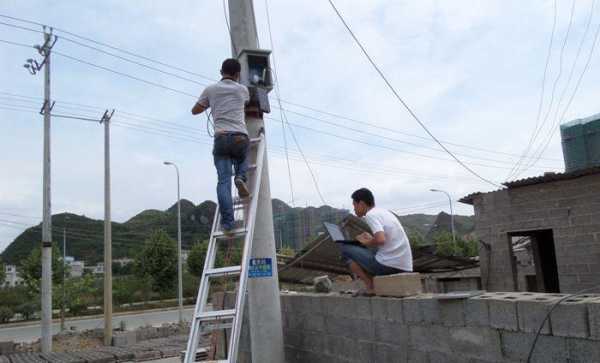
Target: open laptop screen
<point>334,231</point>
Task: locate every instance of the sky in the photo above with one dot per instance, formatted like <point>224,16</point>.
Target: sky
<point>481,76</point>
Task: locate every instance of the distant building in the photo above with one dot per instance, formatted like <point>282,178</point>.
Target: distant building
<point>123,261</point>
<point>98,269</point>
<point>77,268</point>
<point>184,256</point>
<point>12,278</point>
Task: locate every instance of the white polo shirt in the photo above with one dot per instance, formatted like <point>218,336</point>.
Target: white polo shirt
<point>395,252</point>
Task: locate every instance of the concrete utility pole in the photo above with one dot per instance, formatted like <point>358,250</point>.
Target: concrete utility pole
<point>264,306</point>
<point>107,233</point>
<point>46,297</point>
<point>62,306</point>
<point>451,212</point>
<point>179,267</point>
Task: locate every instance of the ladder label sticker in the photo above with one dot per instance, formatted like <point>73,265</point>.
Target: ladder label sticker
<point>260,267</point>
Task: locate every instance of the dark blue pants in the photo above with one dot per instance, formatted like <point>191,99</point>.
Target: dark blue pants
<point>230,150</point>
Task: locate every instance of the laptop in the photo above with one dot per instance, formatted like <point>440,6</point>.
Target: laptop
<point>337,235</point>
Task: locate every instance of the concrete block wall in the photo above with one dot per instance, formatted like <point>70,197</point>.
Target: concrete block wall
<point>492,327</point>
<point>571,208</point>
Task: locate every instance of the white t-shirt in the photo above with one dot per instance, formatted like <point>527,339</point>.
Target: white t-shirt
<point>226,99</point>
<point>395,252</point>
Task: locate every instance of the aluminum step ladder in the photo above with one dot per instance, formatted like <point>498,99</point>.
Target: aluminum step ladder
<point>219,273</point>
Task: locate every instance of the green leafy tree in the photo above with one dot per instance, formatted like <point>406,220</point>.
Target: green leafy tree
<point>81,293</point>
<point>6,314</point>
<point>28,309</point>
<point>195,261</point>
<point>2,274</point>
<point>415,240</point>
<point>158,262</point>
<point>31,269</point>
<point>463,247</point>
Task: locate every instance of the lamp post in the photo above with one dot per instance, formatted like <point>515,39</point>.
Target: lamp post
<point>179,272</point>
<point>451,212</point>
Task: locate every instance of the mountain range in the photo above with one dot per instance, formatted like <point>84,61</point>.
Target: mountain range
<point>294,227</point>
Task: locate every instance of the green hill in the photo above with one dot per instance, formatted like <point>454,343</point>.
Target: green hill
<point>294,227</point>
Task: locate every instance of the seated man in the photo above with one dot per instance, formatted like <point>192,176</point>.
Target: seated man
<point>391,253</point>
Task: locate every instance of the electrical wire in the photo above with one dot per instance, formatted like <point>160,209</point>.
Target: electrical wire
<point>124,74</point>
<point>555,127</point>
<point>541,103</point>
<point>102,44</point>
<point>554,306</point>
<point>281,110</point>
<point>362,123</point>
<point>410,111</point>
<point>345,138</point>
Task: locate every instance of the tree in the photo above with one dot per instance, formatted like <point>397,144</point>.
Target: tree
<point>2,274</point>
<point>415,240</point>
<point>463,247</point>
<point>31,269</point>
<point>6,314</point>
<point>158,262</point>
<point>196,258</point>
<point>81,293</point>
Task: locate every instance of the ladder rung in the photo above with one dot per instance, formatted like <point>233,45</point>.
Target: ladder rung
<point>216,314</point>
<point>251,166</point>
<point>255,140</point>
<point>213,327</point>
<point>224,271</point>
<point>233,233</point>
<point>242,201</point>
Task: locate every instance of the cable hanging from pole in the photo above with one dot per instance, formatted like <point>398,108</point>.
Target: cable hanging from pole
<point>401,100</point>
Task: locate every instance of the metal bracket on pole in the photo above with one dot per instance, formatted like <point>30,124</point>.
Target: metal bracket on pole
<point>106,117</point>
<point>43,110</point>
<point>32,65</point>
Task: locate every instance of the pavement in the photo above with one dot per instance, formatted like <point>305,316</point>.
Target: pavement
<point>134,320</point>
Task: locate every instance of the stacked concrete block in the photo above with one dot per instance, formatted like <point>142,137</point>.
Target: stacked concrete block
<point>424,329</point>
<point>533,308</point>
<point>570,318</point>
<point>593,308</point>
<point>477,311</point>
<point>55,357</point>
<point>548,349</point>
<point>125,338</point>
<point>26,358</point>
<point>503,311</point>
<point>95,356</point>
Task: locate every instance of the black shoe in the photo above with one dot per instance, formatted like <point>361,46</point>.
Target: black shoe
<point>241,186</point>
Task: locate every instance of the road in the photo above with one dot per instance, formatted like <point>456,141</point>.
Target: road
<point>132,321</point>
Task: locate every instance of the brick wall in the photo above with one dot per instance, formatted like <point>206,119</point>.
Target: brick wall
<point>571,208</point>
<point>494,327</point>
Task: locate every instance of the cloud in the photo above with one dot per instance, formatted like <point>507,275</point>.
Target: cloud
<point>471,71</point>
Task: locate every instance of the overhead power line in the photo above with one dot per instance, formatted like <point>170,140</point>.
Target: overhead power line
<point>540,151</point>
<point>410,111</point>
<point>541,102</point>
<point>177,68</point>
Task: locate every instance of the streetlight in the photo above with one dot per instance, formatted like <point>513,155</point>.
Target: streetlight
<point>179,276</point>
<point>451,212</point>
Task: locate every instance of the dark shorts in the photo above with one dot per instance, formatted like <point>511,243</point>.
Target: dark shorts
<point>365,258</point>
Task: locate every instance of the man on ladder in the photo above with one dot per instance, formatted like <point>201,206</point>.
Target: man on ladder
<point>227,99</point>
